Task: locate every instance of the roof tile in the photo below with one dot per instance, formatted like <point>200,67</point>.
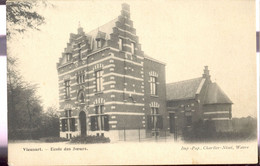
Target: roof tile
<point>183,89</point>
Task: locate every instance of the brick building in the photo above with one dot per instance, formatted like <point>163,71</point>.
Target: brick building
<point>198,99</point>
<point>107,86</point>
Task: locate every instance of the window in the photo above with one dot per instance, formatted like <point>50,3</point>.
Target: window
<point>68,57</point>
<point>67,113</point>
<point>67,89</point>
<point>155,120</point>
<point>80,78</point>
<point>99,121</point>
<point>153,85</point>
<point>154,114</point>
<point>99,112</point>
<point>133,48</point>
<point>98,43</point>
<point>79,51</point>
<point>99,81</point>
<point>188,115</point>
<point>120,44</point>
<point>72,124</point>
<point>64,125</point>
<point>80,54</point>
<point>68,124</point>
<point>188,120</point>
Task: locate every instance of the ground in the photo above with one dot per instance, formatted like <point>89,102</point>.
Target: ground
<point>145,152</point>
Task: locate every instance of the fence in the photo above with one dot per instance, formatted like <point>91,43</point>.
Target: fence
<point>143,135</point>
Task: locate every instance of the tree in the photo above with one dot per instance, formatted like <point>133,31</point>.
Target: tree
<point>21,15</point>
<point>24,106</point>
<point>50,122</point>
<point>26,118</point>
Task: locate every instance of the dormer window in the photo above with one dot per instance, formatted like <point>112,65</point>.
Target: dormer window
<point>100,39</point>
<point>98,43</point>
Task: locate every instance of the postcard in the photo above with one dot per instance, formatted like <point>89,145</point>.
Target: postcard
<point>131,82</point>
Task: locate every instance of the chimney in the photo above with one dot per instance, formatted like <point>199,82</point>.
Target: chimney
<point>206,73</point>
<point>125,11</point>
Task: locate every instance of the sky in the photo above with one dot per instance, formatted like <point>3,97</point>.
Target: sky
<point>187,35</point>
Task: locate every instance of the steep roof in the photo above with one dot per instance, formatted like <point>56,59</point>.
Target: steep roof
<point>154,60</point>
<point>107,29</point>
<point>216,96</point>
<point>184,89</point>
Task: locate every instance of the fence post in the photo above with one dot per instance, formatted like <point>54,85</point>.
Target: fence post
<point>124,135</point>
<point>139,134</point>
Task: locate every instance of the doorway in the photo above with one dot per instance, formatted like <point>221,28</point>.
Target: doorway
<point>83,126</point>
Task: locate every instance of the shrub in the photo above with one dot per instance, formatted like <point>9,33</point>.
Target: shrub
<point>90,139</point>
<point>24,134</point>
<point>54,139</point>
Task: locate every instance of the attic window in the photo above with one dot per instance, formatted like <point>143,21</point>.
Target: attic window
<point>68,57</point>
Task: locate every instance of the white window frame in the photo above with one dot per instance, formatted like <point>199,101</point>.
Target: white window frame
<point>153,85</point>
<point>99,80</point>
<point>99,109</point>
<point>120,42</point>
<point>132,47</point>
<point>154,114</point>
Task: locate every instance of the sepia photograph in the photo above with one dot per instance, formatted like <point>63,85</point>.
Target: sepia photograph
<point>131,82</point>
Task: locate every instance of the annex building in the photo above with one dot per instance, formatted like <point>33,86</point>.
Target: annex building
<point>108,87</point>
<point>197,99</point>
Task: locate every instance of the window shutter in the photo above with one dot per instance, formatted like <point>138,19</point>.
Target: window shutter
<point>149,122</point>
<point>97,127</point>
<point>93,123</point>
<point>159,123</point>
<point>63,123</point>
<point>72,126</point>
<point>106,124</point>
<point>66,125</point>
